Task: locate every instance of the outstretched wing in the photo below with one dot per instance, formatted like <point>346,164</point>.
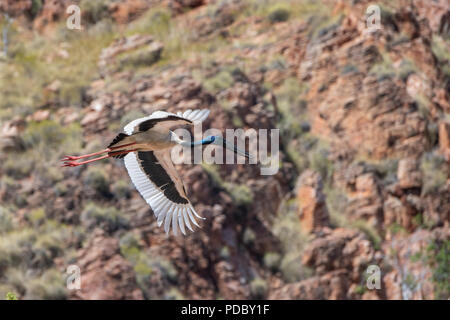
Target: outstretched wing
<point>162,121</point>
<point>156,179</point>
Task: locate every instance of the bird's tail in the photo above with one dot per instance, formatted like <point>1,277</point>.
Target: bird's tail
<point>119,138</point>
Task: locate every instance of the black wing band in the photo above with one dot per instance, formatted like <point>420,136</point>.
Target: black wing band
<point>156,173</point>
<point>148,124</point>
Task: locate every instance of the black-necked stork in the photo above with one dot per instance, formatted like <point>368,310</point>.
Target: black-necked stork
<point>145,147</point>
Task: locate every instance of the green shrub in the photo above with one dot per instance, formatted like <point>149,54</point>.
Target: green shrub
<point>437,256</point>
<point>286,228</point>
<point>173,294</point>
<point>220,81</point>
<point>121,189</point>
<point>278,15</point>
<point>249,236</point>
<point>258,288</point>
<point>144,265</point>
<point>129,247</point>
<point>272,261</point>
<point>37,216</point>
<point>107,218</point>
<point>6,220</point>
<point>46,141</point>
<point>434,174</point>
<point>241,194</point>
<point>141,57</point>
<point>18,167</point>
<point>96,10</point>
<point>291,267</point>
<point>370,232</point>
<point>97,179</point>
<point>49,286</point>
<point>11,296</point>
<point>36,6</point>
<point>225,252</point>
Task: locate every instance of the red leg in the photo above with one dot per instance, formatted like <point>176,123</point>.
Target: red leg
<point>111,154</point>
<point>66,158</point>
<point>85,156</point>
<point>74,164</point>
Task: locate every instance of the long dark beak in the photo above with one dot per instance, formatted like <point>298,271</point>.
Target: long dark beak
<point>235,149</point>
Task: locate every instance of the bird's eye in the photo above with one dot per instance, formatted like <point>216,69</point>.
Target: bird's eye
<point>212,138</point>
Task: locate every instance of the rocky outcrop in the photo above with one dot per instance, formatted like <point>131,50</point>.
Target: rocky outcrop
<point>339,259</point>
<point>313,212</point>
<point>133,50</point>
<point>444,139</point>
<point>412,260</point>
<point>11,135</point>
<point>105,274</point>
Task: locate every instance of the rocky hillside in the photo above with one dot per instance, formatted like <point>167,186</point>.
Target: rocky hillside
<point>364,123</point>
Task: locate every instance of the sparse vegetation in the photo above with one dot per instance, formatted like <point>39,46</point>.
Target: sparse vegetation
<point>95,11</point>
<point>11,296</point>
<point>258,288</point>
<point>146,266</point>
<point>434,175</point>
<point>437,256</point>
<point>278,14</point>
<point>287,229</point>
<point>272,261</point>
<point>108,218</point>
<point>97,179</point>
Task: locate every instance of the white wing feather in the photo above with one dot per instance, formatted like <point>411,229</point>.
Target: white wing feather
<point>166,211</point>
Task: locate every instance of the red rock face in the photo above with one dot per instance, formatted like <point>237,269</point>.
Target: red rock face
<point>15,7</point>
<point>313,212</point>
<point>444,139</point>
<point>128,10</point>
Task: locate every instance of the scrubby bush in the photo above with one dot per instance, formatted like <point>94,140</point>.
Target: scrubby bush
<point>438,253</point>
<point>18,167</point>
<point>241,194</point>
<point>287,229</point>
<point>49,286</point>
<point>249,236</point>
<point>272,261</point>
<point>6,221</point>
<point>11,296</point>
<point>107,218</point>
<point>225,252</point>
<point>97,179</point>
<point>434,174</point>
<point>258,288</point>
<point>37,216</point>
<point>278,14</point>
<point>121,189</point>
<point>173,294</point>
<point>36,6</point>
<point>96,10</point>
<point>220,81</point>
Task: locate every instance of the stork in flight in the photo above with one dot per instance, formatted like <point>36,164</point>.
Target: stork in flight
<point>145,147</point>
